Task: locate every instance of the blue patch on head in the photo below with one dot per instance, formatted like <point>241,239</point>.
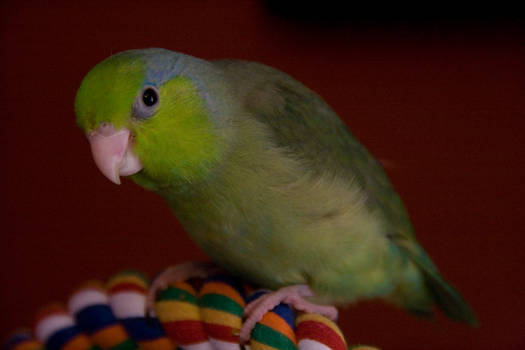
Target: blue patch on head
<point>163,65</point>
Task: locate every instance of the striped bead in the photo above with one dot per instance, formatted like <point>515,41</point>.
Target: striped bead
<point>178,311</point>
<point>276,329</point>
<point>222,302</point>
<point>56,329</point>
<point>316,332</point>
<point>22,340</point>
<point>127,297</point>
<point>93,315</point>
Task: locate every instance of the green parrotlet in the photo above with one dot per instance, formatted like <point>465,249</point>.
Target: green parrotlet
<point>264,177</point>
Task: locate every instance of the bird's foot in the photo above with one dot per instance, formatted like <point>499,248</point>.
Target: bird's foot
<point>291,295</point>
<point>176,273</point>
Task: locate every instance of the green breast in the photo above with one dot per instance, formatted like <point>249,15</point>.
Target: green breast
<point>266,220</point>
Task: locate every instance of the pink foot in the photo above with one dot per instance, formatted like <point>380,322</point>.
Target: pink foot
<point>291,295</point>
<point>176,273</point>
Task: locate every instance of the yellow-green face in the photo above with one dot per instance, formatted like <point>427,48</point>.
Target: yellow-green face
<point>174,139</point>
<point>108,91</point>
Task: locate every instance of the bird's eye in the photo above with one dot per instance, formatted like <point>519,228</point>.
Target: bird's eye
<point>146,103</point>
<point>150,97</point>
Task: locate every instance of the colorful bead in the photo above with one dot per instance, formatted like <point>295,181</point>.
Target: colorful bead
<point>188,319</point>
<point>127,296</point>
<point>276,329</point>
<point>178,311</point>
<point>316,332</point>
<point>93,315</point>
<point>222,302</point>
<point>56,329</point>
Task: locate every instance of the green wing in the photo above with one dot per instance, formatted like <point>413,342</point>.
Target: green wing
<point>304,124</point>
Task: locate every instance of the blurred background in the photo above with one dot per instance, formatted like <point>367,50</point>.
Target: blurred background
<point>438,93</point>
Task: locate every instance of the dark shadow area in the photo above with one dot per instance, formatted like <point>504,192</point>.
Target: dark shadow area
<point>332,13</point>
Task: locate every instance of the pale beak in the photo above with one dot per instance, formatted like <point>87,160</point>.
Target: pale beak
<point>113,153</point>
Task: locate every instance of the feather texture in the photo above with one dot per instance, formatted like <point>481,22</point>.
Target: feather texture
<point>269,181</point>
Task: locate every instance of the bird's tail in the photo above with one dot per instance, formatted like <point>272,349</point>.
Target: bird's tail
<point>441,292</point>
<point>448,299</point>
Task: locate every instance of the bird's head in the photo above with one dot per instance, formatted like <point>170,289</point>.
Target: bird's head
<point>151,114</point>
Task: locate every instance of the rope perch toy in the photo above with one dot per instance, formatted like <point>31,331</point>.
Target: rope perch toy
<point>190,315</point>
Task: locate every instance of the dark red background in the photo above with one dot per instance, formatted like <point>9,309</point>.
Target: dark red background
<point>440,99</point>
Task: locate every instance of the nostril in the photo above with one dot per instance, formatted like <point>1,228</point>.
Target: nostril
<point>106,129</point>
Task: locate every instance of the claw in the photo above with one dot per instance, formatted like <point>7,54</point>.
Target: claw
<point>291,295</point>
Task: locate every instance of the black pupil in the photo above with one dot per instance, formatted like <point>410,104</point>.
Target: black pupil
<point>149,97</point>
